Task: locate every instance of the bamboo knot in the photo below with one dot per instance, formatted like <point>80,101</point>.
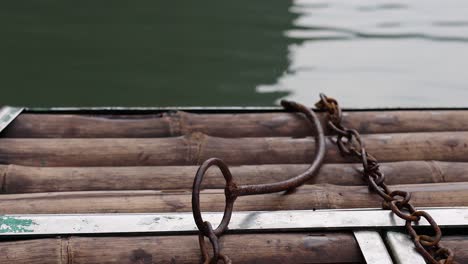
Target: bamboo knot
<point>196,142</point>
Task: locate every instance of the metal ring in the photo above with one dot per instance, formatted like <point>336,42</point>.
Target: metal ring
<point>447,256</point>
<point>405,195</point>
<point>331,105</point>
<point>215,245</point>
<point>381,189</point>
<point>423,239</point>
<point>337,129</point>
<point>426,255</point>
<point>229,192</point>
<point>396,208</point>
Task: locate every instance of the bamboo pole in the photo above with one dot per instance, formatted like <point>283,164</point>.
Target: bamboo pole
<point>37,251</point>
<point>240,125</point>
<point>23,179</point>
<point>459,245</point>
<point>320,196</point>
<point>195,148</point>
<point>241,248</point>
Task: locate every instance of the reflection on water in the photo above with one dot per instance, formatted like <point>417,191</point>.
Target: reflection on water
<point>245,52</point>
<point>379,54</point>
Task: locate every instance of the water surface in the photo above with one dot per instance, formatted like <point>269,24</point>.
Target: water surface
<point>378,53</point>
<point>244,52</point>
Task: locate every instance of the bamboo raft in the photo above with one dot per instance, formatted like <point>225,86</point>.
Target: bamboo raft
<point>144,161</point>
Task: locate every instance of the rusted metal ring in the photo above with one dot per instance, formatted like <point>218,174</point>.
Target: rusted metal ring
<point>426,255</point>
<point>405,195</point>
<point>378,176</point>
<point>337,129</point>
<point>327,102</point>
<point>353,143</point>
<point>229,192</point>
<point>352,133</point>
<point>425,240</point>
<point>225,258</point>
<point>213,240</point>
<point>344,150</point>
<point>381,189</point>
<point>396,208</point>
<point>365,161</point>
<point>214,244</point>
<point>446,255</point>
<point>371,168</point>
<point>330,105</point>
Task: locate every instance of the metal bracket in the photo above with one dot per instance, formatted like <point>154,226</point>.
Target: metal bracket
<point>372,247</point>
<point>403,249</point>
<point>241,221</point>
<point>366,224</point>
<point>7,115</point>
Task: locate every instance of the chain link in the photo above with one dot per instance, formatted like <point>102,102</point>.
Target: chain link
<point>350,144</point>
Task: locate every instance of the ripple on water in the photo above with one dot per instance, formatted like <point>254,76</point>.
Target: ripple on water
<point>378,53</point>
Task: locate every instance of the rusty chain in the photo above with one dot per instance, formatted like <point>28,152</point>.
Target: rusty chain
<point>233,191</point>
<point>349,143</point>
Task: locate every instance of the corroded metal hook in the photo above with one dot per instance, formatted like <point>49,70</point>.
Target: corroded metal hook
<point>232,191</point>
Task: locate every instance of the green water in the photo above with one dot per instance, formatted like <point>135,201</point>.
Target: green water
<point>233,53</point>
<point>141,53</point>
